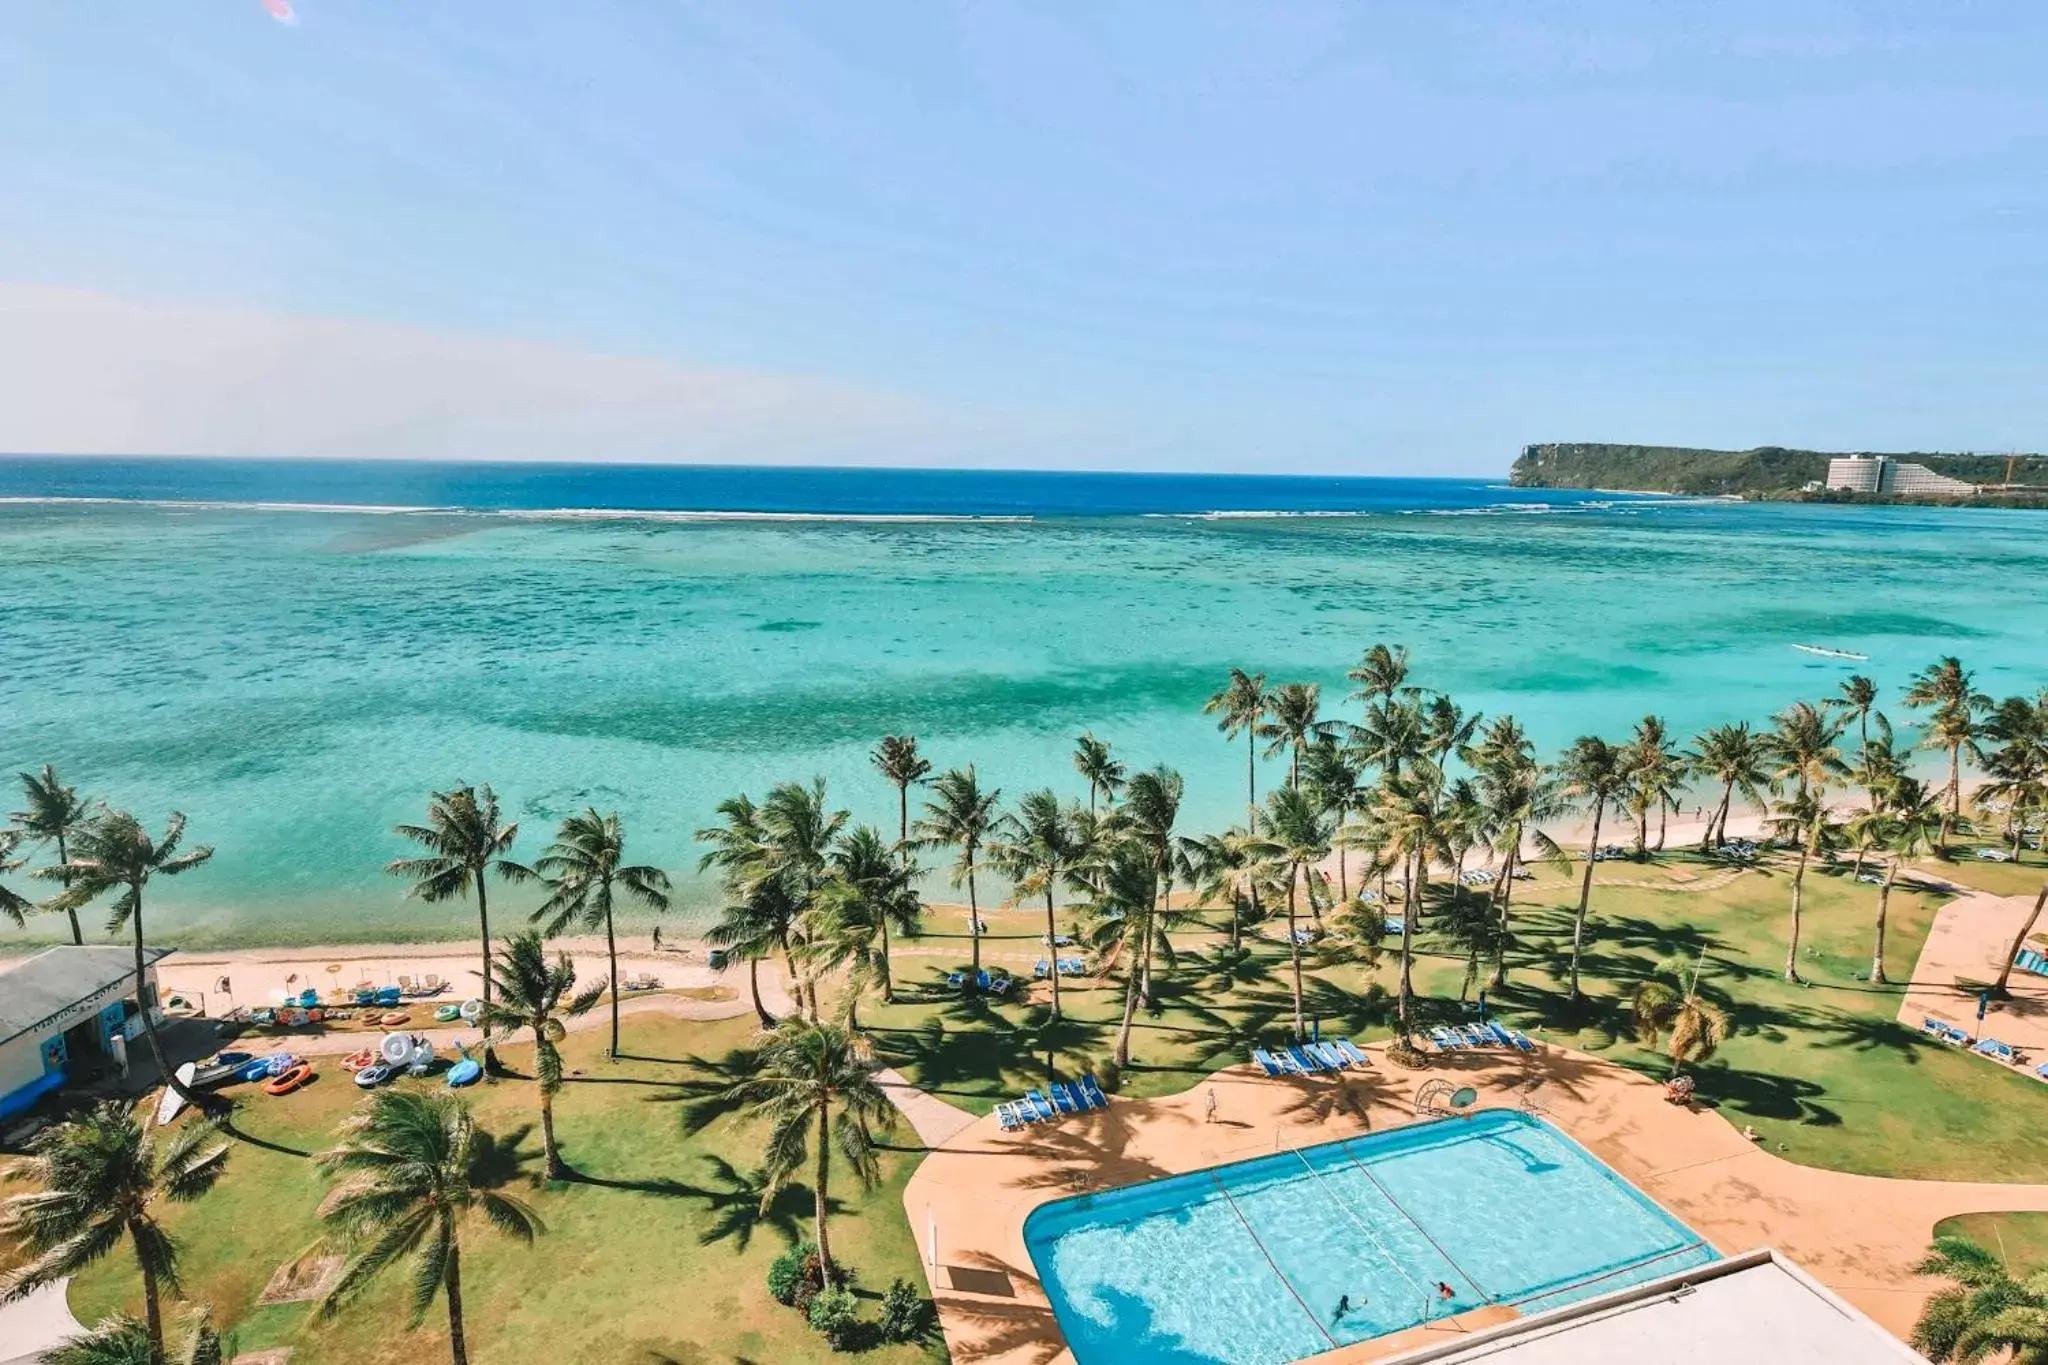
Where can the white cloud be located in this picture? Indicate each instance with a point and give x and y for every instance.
(87, 373)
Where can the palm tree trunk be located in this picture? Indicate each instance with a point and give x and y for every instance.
(2019, 941)
(1663, 823)
(1884, 896)
(1145, 976)
(551, 1155)
(1585, 899)
(1407, 949)
(1294, 951)
(611, 951)
(1052, 946)
(973, 916)
(1343, 885)
(1798, 888)
(458, 1345)
(1123, 1036)
(823, 1167)
(145, 999)
(152, 1303)
(1720, 823)
(1507, 892)
(71, 912)
(483, 919)
(1251, 782)
(1955, 793)
(754, 985)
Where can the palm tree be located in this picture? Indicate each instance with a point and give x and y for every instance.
(1104, 774)
(1223, 867)
(13, 904)
(2018, 767)
(1592, 776)
(1405, 815)
(1804, 746)
(1674, 1006)
(1984, 1313)
(1945, 687)
(113, 853)
(122, 1340)
(1038, 846)
(52, 813)
(1296, 840)
(870, 889)
(1446, 728)
(1294, 722)
(1656, 776)
(1341, 791)
(897, 758)
(960, 816)
(1804, 820)
(464, 839)
(534, 995)
(814, 1087)
(1119, 922)
(1242, 705)
(753, 923)
(1907, 825)
(2003, 986)
(1517, 797)
(1465, 923)
(1151, 808)
(1381, 674)
(1857, 697)
(1392, 736)
(411, 1168)
(100, 1177)
(585, 879)
(1732, 755)
(794, 846)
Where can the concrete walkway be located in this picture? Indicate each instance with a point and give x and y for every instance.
(935, 1121)
(32, 1325)
(1964, 951)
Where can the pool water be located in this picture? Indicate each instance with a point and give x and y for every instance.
(1250, 1263)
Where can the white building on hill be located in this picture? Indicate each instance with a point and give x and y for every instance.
(1883, 474)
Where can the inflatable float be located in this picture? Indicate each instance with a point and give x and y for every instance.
(290, 1080)
(464, 1072)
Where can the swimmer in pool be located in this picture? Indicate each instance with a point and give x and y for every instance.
(1343, 1307)
(1444, 1291)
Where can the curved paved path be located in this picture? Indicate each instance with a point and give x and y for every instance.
(35, 1323)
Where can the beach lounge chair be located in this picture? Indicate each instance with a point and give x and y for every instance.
(2042, 1071)
(1303, 1059)
(999, 982)
(1445, 1040)
(1091, 1091)
(1332, 1058)
(1513, 1038)
(1063, 1098)
(1286, 1063)
(1350, 1052)
(1041, 969)
(1477, 1035)
(2028, 960)
(956, 979)
(1266, 1062)
(1933, 1026)
(1956, 1037)
(433, 985)
(981, 981)
(405, 985)
(1043, 1105)
(1396, 926)
(1006, 1116)
(1997, 1051)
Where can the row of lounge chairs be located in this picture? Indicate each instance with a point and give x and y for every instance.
(1470, 1037)
(1076, 1098)
(1067, 966)
(1302, 1059)
(1996, 1050)
(2028, 960)
(997, 982)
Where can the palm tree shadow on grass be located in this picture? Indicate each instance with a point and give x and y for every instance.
(707, 1097)
(498, 1159)
(733, 1200)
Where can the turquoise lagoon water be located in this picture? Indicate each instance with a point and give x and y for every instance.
(1248, 1264)
(298, 679)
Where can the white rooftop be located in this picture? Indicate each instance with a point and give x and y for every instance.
(1747, 1310)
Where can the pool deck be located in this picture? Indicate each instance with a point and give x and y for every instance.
(1964, 951)
(1859, 1235)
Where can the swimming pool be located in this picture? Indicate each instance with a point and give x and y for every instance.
(1249, 1264)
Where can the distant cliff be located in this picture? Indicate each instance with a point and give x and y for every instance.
(1767, 471)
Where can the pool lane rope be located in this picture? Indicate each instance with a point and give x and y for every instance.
(1416, 1223)
(1366, 1228)
(1274, 1265)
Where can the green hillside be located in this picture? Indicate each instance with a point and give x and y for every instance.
(1762, 472)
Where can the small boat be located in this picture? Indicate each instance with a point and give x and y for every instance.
(213, 1075)
(229, 1058)
(1827, 653)
(290, 1080)
(356, 1061)
(374, 1075)
(464, 1072)
(447, 1014)
(172, 1102)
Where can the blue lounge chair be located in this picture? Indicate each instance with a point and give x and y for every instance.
(1093, 1092)
(2042, 1071)
(1332, 1058)
(1996, 1050)
(1956, 1037)
(981, 981)
(1350, 1052)
(1303, 1059)
(1395, 926)
(1080, 1094)
(1445, 1040)
(999, 982)
(2029, 960)
(1511, 1037)
(1266, 1062)
(1063, 1099)
(1041, 969)
(956, 979)
(1073, 966)
(1476, 1035)
(1043, 1105)
(1009, 1118)
(1931, 1025)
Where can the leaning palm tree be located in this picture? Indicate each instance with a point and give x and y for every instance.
(1447, 728)
(51, 814)
(122, 1340)
(113, 853)
(1038, 846)
(1803, 821)
(960, 815)
(1294, 721)
(1518, 798)
(1908, 826)
(2003, 986)
(464, 839)
(814, 1087)
(411, 1176)
(534, 996)
(1242, 706)
(1104, 774)
(1671, 1005)
(2018, 767)
(1592, 776)
(13, 904)
(1151, 809)
(753, 922)
(586, 872)
(1734, 757)
(98, 1178)
(897, 759)
(1656, 777)
(869, 890)
(1119, 921)
(1857, 698)
(1405, 817)
(1339, 787)
(1296, 839)
(1947, 689)
(1983, 1313)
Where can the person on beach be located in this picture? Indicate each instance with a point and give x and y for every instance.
(1209, 1105)
(657, 938)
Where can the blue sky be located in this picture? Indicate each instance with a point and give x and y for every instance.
(1343, 236)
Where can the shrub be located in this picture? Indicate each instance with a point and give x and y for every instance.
(906, 1314)
(835, 1315)
(793, 1276)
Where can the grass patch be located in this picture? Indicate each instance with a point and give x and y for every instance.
(2021, 1238)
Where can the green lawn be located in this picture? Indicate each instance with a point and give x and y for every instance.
(661, 1258)
(1823, 1070)
(2021, 1238)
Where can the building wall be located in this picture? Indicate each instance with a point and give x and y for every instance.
(1856, 475)
(1918, 478)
